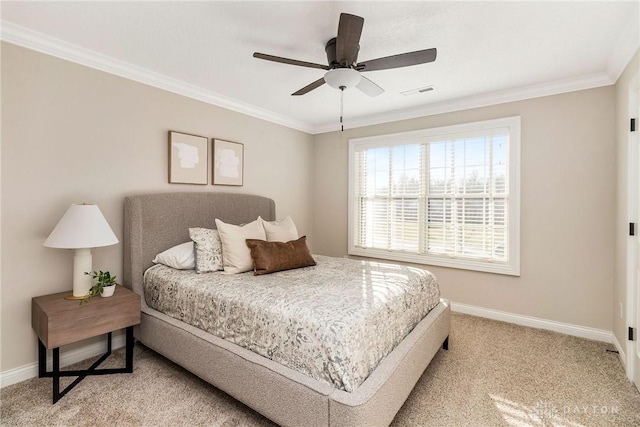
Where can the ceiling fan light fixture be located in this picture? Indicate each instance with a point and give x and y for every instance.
(339, 78)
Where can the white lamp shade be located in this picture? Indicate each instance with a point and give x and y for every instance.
(82, 226)
(342, 77)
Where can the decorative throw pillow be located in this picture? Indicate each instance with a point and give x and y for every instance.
(208, 249)
(235, 253)
(280, 231)
(269, 257)
(180, 257)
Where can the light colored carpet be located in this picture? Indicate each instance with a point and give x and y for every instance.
(495, 374)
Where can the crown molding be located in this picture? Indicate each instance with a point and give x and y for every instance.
(484, 100)
(33, 40)
(21, 36)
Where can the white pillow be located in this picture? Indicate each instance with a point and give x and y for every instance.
(280, 231)
(236, 255)
(180, 257)
(208, 249)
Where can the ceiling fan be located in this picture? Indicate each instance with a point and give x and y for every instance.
(343, 70)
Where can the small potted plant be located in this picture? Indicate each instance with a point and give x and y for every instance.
(105, 285)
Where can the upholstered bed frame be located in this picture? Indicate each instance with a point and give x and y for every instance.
(156, 222)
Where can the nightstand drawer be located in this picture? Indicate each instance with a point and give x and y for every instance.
(58, 322)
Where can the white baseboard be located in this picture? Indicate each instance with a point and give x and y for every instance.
(621, 353)
(16, 375)
(535, 322)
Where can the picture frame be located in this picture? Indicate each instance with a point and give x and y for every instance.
(228, 163)
(188, 158)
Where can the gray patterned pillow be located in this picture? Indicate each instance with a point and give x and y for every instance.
(208, 249)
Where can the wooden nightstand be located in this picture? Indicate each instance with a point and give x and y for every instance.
(58, 322)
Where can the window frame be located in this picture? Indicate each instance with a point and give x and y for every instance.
(512, 266)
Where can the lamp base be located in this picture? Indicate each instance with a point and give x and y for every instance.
(81, 281)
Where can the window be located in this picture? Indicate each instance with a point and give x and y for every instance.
(446, 196)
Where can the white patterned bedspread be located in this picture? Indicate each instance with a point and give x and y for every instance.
(333, 322)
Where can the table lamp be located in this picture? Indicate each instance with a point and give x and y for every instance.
(81, 228)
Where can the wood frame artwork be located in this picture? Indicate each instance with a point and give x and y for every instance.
(228, 163)
(188, 158)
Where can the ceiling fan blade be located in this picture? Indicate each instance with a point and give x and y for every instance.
(368, 87)
(397, 61)
(289, 61)
(349, 31)
(309, 87)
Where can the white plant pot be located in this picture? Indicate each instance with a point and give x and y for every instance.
(108, 291)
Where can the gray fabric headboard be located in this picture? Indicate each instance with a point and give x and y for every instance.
(156, 222)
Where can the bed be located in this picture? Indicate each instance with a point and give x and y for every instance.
(155, 222)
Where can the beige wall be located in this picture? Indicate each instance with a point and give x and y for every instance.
(74, 134)
(628, 81)
(568, 207)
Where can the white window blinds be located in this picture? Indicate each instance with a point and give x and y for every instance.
(440, 194)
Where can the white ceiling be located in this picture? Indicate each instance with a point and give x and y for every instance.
(488, 52)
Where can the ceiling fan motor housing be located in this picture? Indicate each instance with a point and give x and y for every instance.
(333, 62)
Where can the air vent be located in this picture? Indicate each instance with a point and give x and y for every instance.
(418, 90)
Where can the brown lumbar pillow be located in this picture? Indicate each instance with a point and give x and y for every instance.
(269, 257)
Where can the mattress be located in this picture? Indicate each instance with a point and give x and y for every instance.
(333, 322)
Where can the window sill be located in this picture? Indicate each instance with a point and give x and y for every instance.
(511, 269)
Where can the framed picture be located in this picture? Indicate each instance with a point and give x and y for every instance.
(228, 162)
(188, 159)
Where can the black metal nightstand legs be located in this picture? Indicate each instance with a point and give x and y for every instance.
(129, 350)
(56, 373)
